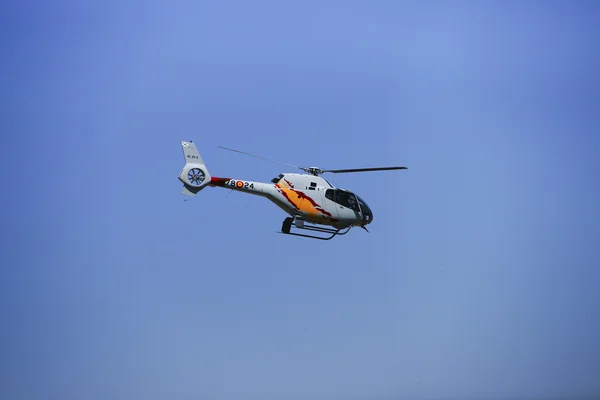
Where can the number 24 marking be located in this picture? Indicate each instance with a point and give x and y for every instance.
(246, 185)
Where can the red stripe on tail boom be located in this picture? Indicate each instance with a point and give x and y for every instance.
(214, 181)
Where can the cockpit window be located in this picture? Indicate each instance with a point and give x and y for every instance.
(366, 211)
(347, 199)
(343, 198)
(329, 193)
(362, 202)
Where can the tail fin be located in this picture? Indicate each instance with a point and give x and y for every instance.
(194, 174)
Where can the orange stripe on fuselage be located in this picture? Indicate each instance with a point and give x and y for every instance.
(295, 197)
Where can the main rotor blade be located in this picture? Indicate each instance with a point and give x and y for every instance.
(253, 155)
(339, 171)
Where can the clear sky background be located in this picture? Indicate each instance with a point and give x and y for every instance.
(479, 278)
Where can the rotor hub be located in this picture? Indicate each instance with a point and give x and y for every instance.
(316, 171)
(196, 176)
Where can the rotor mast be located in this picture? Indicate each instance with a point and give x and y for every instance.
(316, 171)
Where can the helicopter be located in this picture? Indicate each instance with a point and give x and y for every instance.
(312, 203)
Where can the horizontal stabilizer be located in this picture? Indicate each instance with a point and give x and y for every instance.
(189, 191)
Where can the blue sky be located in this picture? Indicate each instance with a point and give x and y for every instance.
(478, 279)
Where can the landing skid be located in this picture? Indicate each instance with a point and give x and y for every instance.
(288, 222)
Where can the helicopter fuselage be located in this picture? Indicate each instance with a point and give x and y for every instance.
(307, 197)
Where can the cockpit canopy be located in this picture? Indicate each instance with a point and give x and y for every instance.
(350, 200)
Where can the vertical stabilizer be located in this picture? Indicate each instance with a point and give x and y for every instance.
(194, 174)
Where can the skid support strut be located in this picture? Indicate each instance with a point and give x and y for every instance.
(288, 222)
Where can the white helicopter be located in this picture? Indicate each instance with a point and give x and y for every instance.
(312, 202)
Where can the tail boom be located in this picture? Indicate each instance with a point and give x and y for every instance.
(256, 188)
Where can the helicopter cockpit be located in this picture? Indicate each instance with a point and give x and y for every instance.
(351, 201)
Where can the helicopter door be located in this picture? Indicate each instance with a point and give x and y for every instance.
(331, 206)
(313, 202)
(347, 205)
